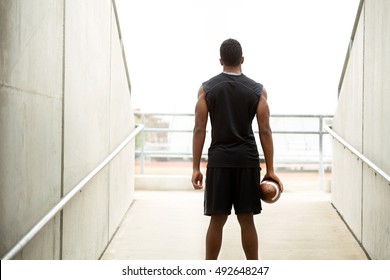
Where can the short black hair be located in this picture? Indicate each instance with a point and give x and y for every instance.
(231, 52)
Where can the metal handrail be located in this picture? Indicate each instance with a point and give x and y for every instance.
(357, 153)
(66, 198)
(272, 116)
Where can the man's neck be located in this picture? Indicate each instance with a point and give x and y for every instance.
(232, 70)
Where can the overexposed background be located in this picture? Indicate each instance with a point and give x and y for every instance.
(296, 49)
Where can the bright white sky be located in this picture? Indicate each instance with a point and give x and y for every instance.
(296, 49)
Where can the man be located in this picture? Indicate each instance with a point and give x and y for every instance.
(233, 173)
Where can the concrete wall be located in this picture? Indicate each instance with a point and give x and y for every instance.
(347, 189)
(360, 195)
(64, 106)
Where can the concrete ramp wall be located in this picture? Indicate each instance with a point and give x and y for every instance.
(64, 106)
(360, 194)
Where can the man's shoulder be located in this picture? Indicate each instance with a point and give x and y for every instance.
(250, 79)
(213, 81)
(254, 85)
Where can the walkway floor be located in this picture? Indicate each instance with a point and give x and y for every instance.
(169, 225)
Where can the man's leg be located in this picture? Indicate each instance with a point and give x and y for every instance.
(214, 236)
(248, 236)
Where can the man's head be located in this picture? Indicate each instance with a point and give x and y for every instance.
(231, 53)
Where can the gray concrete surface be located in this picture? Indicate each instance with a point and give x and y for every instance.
(30, 122)
(166, 225)
(359, 193)
(64, 106)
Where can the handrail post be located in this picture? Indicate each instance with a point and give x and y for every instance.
(321, 154)
(142, 159)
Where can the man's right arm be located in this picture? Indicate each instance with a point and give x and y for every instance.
(199, 135)
(266, 140)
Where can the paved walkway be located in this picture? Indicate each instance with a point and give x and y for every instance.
(170, 225)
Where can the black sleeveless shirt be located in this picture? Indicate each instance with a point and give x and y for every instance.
(232, 103)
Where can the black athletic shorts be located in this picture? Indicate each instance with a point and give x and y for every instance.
(227, 187)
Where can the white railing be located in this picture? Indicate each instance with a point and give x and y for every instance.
(319, 121)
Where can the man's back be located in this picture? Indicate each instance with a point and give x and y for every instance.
(232, 102)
